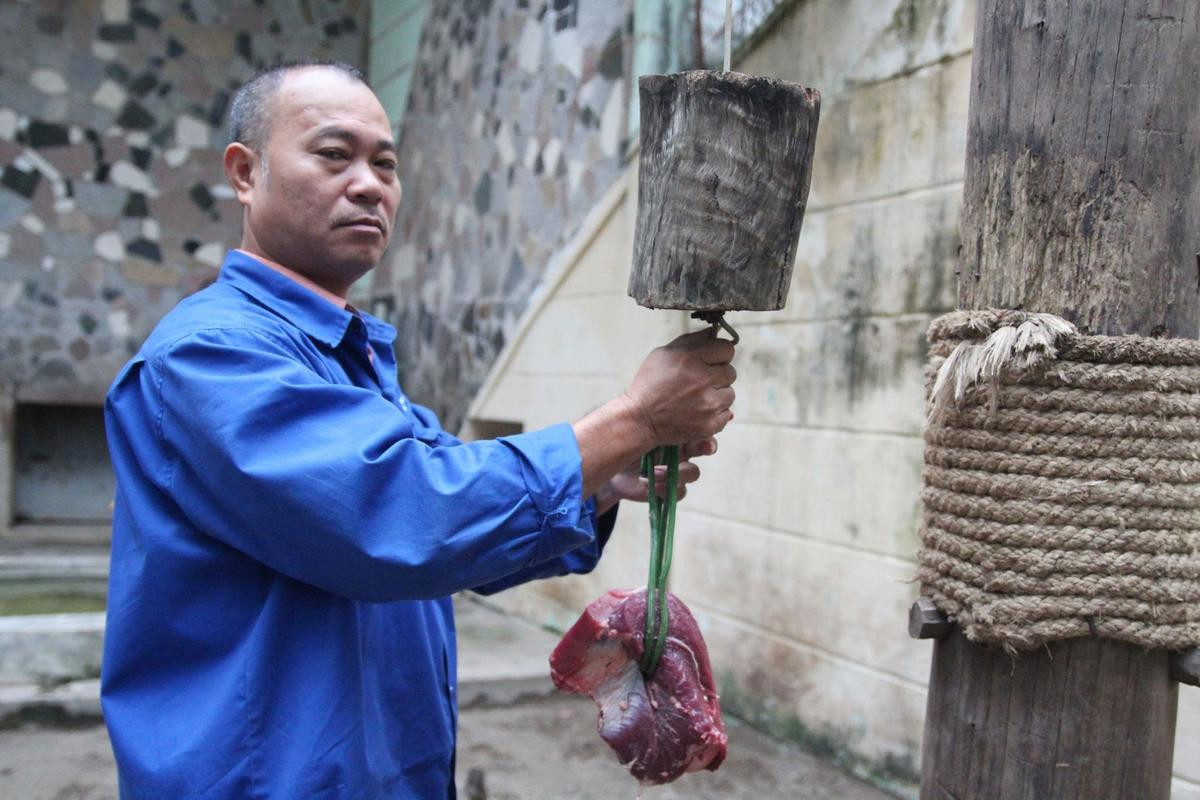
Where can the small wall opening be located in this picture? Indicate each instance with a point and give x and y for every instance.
(62, 473)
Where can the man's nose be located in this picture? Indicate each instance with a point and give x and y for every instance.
(365, 185)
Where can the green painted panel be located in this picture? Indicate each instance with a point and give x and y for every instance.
(393, 93)
(386, 13)
(395, 47)
(655, 46)
(395, 40)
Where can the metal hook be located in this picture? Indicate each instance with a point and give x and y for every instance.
(729, 329)
(717, 320)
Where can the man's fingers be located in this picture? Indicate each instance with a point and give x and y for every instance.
(661, 491)
(694, 338)
(710, 349)
(724, 375)
(688, 473)
(717, 351)
(700, 447)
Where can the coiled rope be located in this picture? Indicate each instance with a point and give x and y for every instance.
(1062, 482)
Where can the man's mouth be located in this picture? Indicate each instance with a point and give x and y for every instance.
(363, 223)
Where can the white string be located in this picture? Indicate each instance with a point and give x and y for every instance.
(728, 32)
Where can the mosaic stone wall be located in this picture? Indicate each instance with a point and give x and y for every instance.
(113, 203)
(515, 126)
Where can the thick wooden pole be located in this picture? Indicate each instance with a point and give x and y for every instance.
(1083, 148)
(1081, 199)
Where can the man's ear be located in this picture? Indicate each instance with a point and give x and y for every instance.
(241, 169)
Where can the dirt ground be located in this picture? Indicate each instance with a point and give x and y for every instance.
(536, 750)
(550, 749)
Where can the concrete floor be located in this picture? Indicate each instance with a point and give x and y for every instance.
(57, 764)
(531, 742)
(550, 749)
(532, 750)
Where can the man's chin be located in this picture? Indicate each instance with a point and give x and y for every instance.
(347, 268)
(359, 260)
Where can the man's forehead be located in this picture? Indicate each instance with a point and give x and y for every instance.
(314, 99)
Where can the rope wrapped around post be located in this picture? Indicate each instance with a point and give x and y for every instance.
(1062, 482)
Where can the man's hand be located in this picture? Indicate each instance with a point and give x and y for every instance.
(683, 390)
(628, 484)
(681, 393)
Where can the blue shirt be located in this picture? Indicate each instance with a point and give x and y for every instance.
(288, 529)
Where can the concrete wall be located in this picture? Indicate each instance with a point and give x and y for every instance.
(796, 549)
(113, 202)
(514, 127)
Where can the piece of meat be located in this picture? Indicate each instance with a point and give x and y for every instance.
(660, 728)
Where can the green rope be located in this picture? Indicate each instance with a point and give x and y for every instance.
(667, 526)
(649, 460)
(662, 529)
(662, 534)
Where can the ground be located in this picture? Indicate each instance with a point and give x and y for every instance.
(530, 741)
(550, 748)
(532, 750)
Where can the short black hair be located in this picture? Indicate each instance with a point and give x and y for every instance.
(248, 122)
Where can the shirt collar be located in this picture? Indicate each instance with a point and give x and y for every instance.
(304, 308)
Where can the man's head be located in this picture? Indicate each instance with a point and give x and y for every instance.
(312, 161)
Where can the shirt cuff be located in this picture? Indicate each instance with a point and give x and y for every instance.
(552, 470)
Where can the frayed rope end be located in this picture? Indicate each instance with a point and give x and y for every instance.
(1009, 348)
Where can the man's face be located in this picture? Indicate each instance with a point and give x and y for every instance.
(325, 203)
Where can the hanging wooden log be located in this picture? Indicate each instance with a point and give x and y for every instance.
(726, 161)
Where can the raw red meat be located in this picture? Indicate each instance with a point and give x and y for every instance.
(660, 728)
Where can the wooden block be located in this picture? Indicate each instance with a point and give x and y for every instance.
(726, 161)
(925, 621)
(1184, 666)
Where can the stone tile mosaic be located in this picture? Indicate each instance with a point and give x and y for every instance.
(111, 127)
(512, 132)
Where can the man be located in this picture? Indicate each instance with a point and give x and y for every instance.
(289, 527)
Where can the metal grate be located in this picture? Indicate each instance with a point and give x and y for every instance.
(748, 16)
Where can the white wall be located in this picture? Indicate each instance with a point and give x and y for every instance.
(796, 550)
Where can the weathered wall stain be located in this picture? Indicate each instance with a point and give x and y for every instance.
(749, 698)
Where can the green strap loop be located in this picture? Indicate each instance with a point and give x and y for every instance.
(662, 534)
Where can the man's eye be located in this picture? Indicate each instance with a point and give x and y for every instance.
(334, 154)
(386, 163)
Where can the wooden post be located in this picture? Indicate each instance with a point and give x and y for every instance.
(1080, 200)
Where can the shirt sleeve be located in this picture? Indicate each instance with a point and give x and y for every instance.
(578, 561)
(433, 426)
(326, 483)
